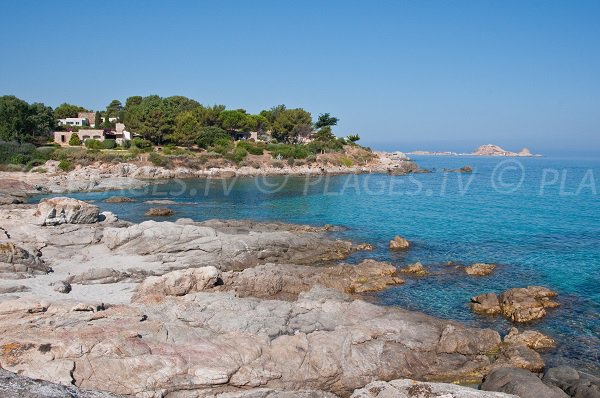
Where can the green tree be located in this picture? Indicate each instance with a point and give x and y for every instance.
(238, 120)
(65, 110)
(23, 122)
(187, 129)
(326, 120)
(40, 123)
(324, 134)
(13, 118)
(98, 120)
(211, 135)
(353, 138)
(74, 140)
(291, 125)
(114, 108)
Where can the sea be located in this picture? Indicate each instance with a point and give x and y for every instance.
(537, 218)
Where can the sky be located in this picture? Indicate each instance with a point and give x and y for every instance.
(433, 75)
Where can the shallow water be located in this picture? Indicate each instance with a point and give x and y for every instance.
(538, 218)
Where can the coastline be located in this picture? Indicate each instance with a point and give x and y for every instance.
(264, 266)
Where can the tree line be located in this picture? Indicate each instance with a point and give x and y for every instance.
(174, 120)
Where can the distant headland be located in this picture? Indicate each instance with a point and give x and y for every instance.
(484, 150)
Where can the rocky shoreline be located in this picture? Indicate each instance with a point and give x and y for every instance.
(15, 187)
(232, 309)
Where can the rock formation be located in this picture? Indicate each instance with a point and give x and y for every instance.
(517, 304)
(399, 243)
(480, 269)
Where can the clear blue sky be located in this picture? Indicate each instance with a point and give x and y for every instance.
(403, 75)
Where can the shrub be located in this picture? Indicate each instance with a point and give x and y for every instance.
(109, 144)
(253, 149)
(93, 144)
(141, 143)
(65, 165)
(160, 161)
(347, 162)
(74, 140)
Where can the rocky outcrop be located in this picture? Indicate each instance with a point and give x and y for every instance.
(159, 212)
(480, 269)
(185, 245)
(495, 150)
(530, 338)
(414, 389)
(16, 260)
(399, 243)
(464, 169)
(520, 382)
(209, 342)
(119, 199)
(517, 304)
(178, 283)
(573, 383)
(62, 210)
(16, 386)
(287, 281)
(416, 269)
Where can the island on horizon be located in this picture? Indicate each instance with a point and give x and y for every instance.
(483, 150)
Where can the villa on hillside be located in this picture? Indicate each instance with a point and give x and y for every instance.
(119, 135)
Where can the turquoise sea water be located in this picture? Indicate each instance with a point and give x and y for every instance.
(538, 218)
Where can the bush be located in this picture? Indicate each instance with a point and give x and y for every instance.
(288, 151)
(65, 165)
(93, 144)
(109, 144)
(74, 140)
(253, 149)
(159, 161)
(141, 143)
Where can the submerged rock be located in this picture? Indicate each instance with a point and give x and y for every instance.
(119, 199)
(416, 269)
(399, 243)
(159, 212)
(480, 269)
(62, 210)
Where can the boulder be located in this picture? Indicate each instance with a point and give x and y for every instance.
(530, 338)
(405, 388)
(526, 304)
(16, 259)
(178, 283)
(62, 287)
(480, 269)
(108, 217)
(464, 169)
(517, 304)
(574, 383)
(399, 243)
(159, 212)
(415, 269)
(520, 382)
(62, 210)
(486, 303)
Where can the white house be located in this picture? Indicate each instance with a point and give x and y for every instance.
(73, 121)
